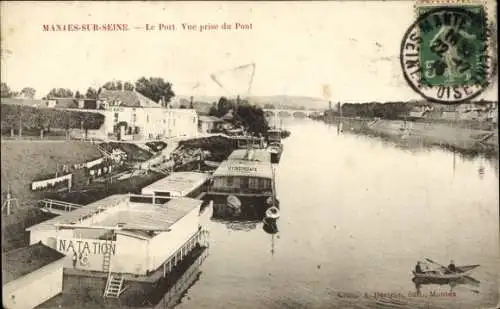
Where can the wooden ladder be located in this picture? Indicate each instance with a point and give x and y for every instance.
(114, 285)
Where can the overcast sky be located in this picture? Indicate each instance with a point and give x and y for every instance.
(297, 47)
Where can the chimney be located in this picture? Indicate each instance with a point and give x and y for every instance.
(123, 86)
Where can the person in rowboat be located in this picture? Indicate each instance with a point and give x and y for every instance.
(452, 268)
(418, 268)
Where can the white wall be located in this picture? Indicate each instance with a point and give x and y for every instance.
(133, 255)
(35, 288)
(93, 249)
(155, 122)
(165, 244)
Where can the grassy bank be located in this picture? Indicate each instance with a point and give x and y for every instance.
(25, 161)
(466, 139)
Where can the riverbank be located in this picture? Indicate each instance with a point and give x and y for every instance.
(24, 161)
(468, 139)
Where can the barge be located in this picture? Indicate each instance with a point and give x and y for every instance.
(242, 186)
(125, 238)
(275, 146)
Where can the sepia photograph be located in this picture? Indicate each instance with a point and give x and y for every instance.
(250, 154)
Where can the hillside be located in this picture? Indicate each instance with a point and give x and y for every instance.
(282, 100)
(23, 161)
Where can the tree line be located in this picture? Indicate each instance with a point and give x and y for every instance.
(19, 118)
(154, 88)
(241, 114)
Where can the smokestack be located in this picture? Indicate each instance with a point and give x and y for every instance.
(330, 105)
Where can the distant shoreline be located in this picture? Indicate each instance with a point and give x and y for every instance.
(470, 138)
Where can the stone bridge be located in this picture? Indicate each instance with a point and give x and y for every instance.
(296, 113)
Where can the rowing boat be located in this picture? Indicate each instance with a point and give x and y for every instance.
(462, 271)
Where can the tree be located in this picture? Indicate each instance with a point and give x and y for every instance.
(28, 92)
(155, 88)
(60, 93)
(213, 110)
(223, 106)
(78, 95)
(91, 93)
(5, 91)
(118, 85)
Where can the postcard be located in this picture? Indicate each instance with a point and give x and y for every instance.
(250, 154)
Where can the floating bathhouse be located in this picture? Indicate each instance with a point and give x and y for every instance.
(124, 239)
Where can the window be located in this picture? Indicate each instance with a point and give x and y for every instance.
(134, 117)
(253, 183)
(116, 117)
(147, 118)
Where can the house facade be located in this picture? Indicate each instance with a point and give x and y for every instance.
(131, 115)
(207, 124)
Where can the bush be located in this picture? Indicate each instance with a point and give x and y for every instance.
(47, 118)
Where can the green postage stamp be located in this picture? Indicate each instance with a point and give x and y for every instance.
(446, 54)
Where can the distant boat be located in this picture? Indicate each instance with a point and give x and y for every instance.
(440, 275)
(275, 149)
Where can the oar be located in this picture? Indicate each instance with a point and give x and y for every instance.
(458, 269)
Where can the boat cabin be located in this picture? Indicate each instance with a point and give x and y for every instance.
(274, 135)
(246, 172)
(178, 184)
(245, 142)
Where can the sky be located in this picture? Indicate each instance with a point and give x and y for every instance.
(297, 47)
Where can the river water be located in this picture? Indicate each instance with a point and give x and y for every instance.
(357, 213)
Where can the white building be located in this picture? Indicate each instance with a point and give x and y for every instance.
(31, 276)
(145, 234)
(138, 117)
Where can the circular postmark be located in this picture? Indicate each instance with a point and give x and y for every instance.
(445, 53)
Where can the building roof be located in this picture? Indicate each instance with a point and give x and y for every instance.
(84, 211)
(24, 102)
(65, 102)
(22, 261)
(259, 155)
(209, 118)
(181, 182)
(127, 98)
(131, 214)
(148, 216)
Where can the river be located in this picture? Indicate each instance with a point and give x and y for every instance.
(356, 214)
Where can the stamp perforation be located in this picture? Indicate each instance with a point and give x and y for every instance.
(488, 53)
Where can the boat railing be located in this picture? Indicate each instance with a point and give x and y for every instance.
(201, 238)
(266, 191)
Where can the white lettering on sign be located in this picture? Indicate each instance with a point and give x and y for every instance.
(242, 169)
(85, 247)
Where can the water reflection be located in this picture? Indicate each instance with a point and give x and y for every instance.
(172, 294)
(469, 284)
(270, 226)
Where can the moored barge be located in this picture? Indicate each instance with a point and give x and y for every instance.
(243, 185)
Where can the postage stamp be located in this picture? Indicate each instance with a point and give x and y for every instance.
(446, 52)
